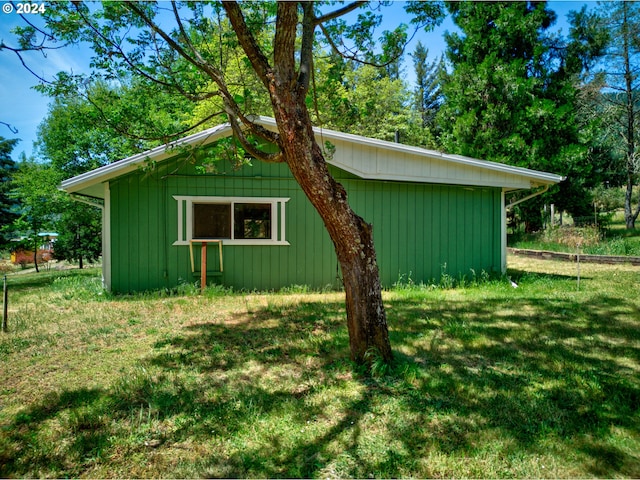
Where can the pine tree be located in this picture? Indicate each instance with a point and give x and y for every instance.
(512, 97)
(8, 205)
(428, 94)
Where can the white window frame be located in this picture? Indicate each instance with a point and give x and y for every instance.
(185, 219)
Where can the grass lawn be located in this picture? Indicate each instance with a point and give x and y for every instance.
(542, 380)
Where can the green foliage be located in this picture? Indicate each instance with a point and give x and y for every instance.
(622, 103)
(608, 199)
(378, 367)
(75, 137)
(35, 186)
(512, 98)
(8, 204)
(79, 233)
(428, 92)
(94, 123)
(358, 99)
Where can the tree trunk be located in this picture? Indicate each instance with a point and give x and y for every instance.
(353, 241)
(287, 82)
(629, 215)
(35, 252)
(351, 235)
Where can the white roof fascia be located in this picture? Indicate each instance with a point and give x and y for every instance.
(205, 137)
(130, 164)
(535, 175)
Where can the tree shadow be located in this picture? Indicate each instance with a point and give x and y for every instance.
(18, 283)
(565, 370)
(518, 275)
(545, 369)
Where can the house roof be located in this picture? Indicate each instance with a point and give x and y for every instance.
(364, 157)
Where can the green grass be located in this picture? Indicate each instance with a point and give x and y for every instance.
(542, 380)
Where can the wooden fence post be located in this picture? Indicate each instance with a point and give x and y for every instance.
(203, 267)
(5, 307)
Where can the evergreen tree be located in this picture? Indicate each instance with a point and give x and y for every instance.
(8, 205)
(512, 96)
(428, 94)
(622, 71)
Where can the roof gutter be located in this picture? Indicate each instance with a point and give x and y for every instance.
(528, 197)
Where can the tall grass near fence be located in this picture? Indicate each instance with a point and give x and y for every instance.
(488, 381)
(611, 238)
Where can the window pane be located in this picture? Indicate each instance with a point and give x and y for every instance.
(252, 220)
(211, 220)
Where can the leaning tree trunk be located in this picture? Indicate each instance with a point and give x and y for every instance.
(287, 82)
(352, 237)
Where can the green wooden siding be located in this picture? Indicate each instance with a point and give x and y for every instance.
(418, 229)
(424, 230)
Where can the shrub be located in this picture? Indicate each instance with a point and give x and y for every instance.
(574, 236)
(608, 199)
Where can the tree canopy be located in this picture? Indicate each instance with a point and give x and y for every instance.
(8, 204)
(512, 95)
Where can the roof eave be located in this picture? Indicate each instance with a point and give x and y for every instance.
(132, 163)
(89, 179)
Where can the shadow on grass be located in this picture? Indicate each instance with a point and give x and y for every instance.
(19, 283)
(523, 375)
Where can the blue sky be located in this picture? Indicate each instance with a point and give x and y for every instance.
(24, 108)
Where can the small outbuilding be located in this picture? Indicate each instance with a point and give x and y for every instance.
(432, 213)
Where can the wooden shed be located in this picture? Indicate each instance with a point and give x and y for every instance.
(432, 213)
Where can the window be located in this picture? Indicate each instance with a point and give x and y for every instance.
(235, 220)
(251, 220)
(211, 220)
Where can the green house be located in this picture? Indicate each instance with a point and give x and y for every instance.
(431, 213)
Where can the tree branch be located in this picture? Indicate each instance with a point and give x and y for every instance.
(248, 42)
(340, 12)
(18, 51)
(306, 50)
(13, 129)
(277, 157)
(118, 50)
(354, 56)
(167, 38)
